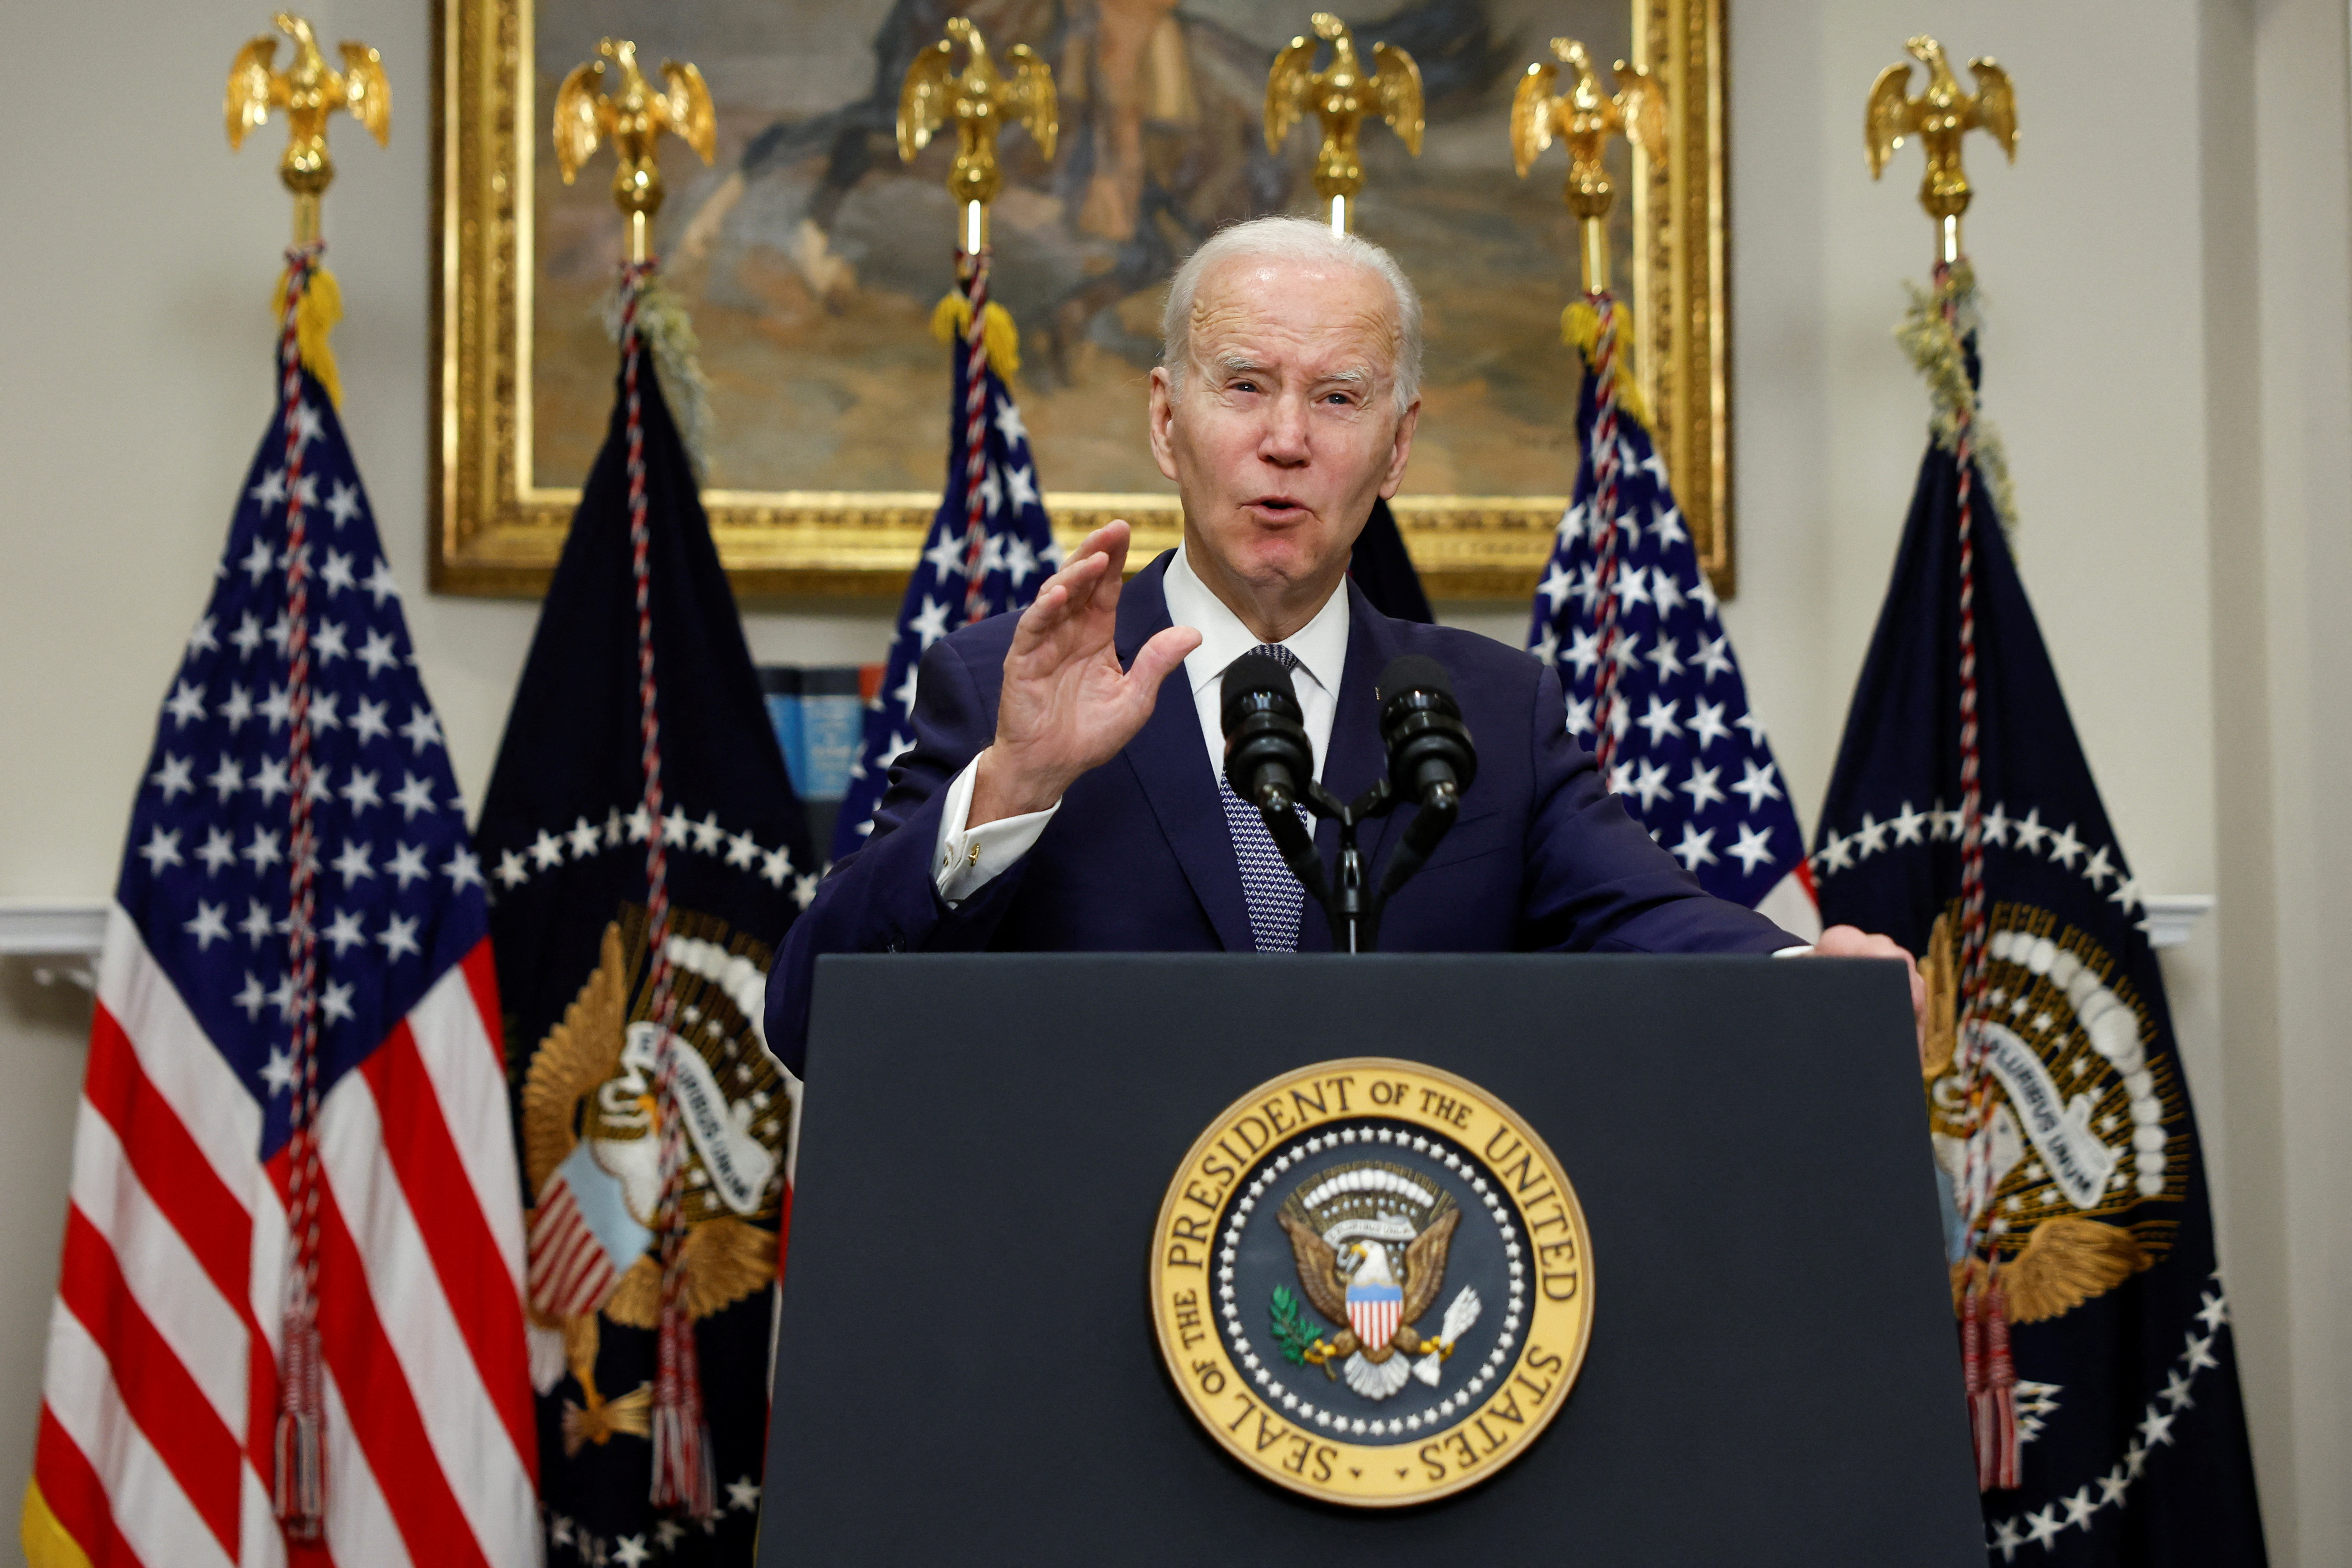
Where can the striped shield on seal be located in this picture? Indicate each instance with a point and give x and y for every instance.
(1373, 1312)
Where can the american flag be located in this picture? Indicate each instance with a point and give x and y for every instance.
(163, 1392)
(1690, 757)
(990, 549)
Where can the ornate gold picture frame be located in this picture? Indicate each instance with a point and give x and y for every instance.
(810, 328)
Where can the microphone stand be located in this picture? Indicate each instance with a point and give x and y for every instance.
(1350, 902)
(1267, 758)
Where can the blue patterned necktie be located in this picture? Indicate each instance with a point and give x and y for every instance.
(1273, 895)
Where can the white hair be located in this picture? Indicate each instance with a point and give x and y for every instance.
(1283, 239)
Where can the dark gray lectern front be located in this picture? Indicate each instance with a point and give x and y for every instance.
(967, 1371)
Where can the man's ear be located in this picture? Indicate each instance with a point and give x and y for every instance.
(1162, 417)
(1400, 450)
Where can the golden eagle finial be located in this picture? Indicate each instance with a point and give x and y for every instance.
(1585, 118)
(1939, 118)
(632, 120)
(1341, 95)
(980, 100)
(309, 91)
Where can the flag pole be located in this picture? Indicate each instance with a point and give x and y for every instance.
(1586, 118)
(1939, 118)
(309, 90)
(979, 100)
(633, 118)
(1341, 95)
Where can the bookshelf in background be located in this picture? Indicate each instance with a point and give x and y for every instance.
(818, 714)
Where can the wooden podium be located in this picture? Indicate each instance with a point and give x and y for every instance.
(967, 1371)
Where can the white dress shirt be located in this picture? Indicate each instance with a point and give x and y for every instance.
(969, 858)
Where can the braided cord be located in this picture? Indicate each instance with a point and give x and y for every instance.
(1972, 861)
(299, 1493)
(1987, 1369)
(1607, 455)
(683, 1477)
(971, 271)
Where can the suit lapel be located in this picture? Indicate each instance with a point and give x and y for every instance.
(1356, 756)
(1172, 765)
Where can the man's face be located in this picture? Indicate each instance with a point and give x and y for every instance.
(1287, 426)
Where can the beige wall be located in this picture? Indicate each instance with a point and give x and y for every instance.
(2168, 273)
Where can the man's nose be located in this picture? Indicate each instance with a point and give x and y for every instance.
(1284, 441)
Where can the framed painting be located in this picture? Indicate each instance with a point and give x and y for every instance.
(810, 258)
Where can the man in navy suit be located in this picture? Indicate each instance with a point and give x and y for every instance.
(1052, 801)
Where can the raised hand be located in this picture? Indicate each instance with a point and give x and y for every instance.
(1067, 706)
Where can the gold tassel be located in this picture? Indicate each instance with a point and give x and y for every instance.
(952, 319)
(47, 1543)
(1936, 353)
(1579, 329)
(322, 307)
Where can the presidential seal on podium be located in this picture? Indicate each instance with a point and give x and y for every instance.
(1373, 1282)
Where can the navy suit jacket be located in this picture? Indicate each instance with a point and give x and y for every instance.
(1140, 858)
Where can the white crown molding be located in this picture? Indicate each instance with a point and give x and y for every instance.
(66, 931)
(72, 928)
(51, 928)
(2172, 917)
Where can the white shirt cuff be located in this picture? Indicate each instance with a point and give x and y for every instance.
(1802, 950)
(968, 859)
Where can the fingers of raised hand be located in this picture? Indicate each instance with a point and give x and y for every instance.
(1113, 539)
(1103, 554)
(1137, 690)
(1062, 600)
(1156, 659)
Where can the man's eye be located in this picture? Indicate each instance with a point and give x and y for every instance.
(1244, 386)
(1339, 397)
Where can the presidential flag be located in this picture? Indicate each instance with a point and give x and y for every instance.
(991, 546)
(293, 1252)
(1626, 615)
(1962, 820)
(645, 854)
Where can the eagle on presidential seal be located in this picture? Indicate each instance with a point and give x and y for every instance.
(1371, 1240)
(592, 1155)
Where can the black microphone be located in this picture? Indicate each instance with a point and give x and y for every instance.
(1270, 762)
(1431, 758)
(1268, 759)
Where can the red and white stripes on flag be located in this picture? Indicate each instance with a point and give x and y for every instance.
(161, 1393)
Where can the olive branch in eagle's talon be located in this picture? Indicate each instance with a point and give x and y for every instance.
(1301, 1340)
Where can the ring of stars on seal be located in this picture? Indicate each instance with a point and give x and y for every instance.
(1373, 1282)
